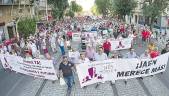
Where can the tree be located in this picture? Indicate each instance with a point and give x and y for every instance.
(153, 9)
(26, 26)
(75, 7)
(70, 13)
(58, 8)
(103, 6)
(123, 7)
(95, 10)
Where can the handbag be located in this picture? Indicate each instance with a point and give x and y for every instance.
(62, 82)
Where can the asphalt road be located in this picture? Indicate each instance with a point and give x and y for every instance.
(15, 84)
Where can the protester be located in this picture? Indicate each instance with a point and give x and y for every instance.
(145, 55)
(131, 54)
(90, 52)
(53, 43)
(61, 45)
(33, 49)
(65, 71)
(154, 53)
(83, 59)
(166, 49)
(151, 47)
(100, 56)
(107, 47)
(74, 56)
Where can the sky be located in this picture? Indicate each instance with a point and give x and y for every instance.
(86, 4)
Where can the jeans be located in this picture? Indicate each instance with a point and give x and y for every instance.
(107, 52)
(62, 50)
(69, 81)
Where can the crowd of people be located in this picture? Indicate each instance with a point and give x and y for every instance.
(57, 36)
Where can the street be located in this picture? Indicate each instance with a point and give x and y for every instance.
(15, 84)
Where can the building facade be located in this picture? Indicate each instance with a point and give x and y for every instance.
(10, 11)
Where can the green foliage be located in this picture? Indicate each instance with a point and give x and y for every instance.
(75, 7)
(70, 13)
(154, 8)
(26, 27)
(95, 10)
(58, 8)
(124, 7)
(103, 6)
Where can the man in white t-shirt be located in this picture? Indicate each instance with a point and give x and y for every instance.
(83, 59)
(74, 56)
(100, 55)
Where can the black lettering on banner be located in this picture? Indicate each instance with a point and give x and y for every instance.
(144, 64)
(127, 73)
(159, 68)
(133, 73)
(120, 74)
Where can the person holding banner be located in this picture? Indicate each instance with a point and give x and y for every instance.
(66, 71)
(100, 56)
(154, 53)
(145, 55)
(83, 59)
(131, 54)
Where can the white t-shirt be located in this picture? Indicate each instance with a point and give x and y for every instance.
(61, 42)
(75, 57)
(100, 57)
(86, 60)
(143, 56)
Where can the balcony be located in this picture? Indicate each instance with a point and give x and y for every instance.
(14, 2)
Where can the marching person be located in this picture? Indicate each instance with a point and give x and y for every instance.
(107, 47)
(83, 59)
(145, 55)
(166, 49)
(74, 56)
(61, 45)
(33, 49)
(66, 71)
(154, 53)
(90, 52)
(131, 54)
(100, 56)
(151, 47)
(53, 43)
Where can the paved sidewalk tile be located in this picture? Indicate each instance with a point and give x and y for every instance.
(132, 88)
(31, 88)
(155, 86)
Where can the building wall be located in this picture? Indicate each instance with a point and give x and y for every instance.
(7, 14)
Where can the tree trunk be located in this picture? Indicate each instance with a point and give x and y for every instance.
(152, 23)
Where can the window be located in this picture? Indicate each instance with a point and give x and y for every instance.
(1, 13)
(0, 1)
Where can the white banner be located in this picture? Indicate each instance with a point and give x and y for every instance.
(132, 68)
(124, 43)
(90, 73)
(114, 69)
(118, 44)
(32, 67)
(76, 36)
